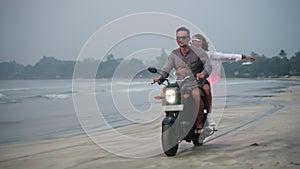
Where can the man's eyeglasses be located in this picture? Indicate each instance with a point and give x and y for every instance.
(182, 37)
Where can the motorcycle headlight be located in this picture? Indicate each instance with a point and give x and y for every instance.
(170, 96)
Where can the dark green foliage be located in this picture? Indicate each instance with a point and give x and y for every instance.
(265, 67)
(295, 64)
(11, 70)
(52, 68)
(46, 68)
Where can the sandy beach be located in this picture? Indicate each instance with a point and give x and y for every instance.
(264, 135)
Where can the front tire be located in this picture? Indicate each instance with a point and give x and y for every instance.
(169, 143)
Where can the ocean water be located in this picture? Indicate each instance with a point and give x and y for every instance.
(32, 110)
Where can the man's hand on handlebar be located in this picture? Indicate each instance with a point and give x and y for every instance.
(157, 78)
(200, 76)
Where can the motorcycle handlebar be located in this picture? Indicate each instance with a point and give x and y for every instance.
(160, 81)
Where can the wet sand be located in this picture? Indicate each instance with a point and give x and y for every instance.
(271, 141)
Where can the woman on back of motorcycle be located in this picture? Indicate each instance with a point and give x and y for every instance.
(215, 57)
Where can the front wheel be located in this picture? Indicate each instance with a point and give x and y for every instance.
(168, 139)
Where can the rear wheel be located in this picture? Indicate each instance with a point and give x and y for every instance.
(168, 139)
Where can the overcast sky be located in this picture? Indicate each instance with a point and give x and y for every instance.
(31, 29)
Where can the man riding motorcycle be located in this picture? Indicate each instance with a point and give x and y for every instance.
(189, 61)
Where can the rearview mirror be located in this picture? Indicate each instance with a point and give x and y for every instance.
(152, 69)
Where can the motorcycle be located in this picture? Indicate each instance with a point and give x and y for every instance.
(179, 122)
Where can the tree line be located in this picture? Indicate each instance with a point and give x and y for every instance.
(276, 66)
(52, 68)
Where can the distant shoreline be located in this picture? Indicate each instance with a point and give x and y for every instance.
(293, 78)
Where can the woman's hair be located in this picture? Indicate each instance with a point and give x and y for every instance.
(204, 41)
